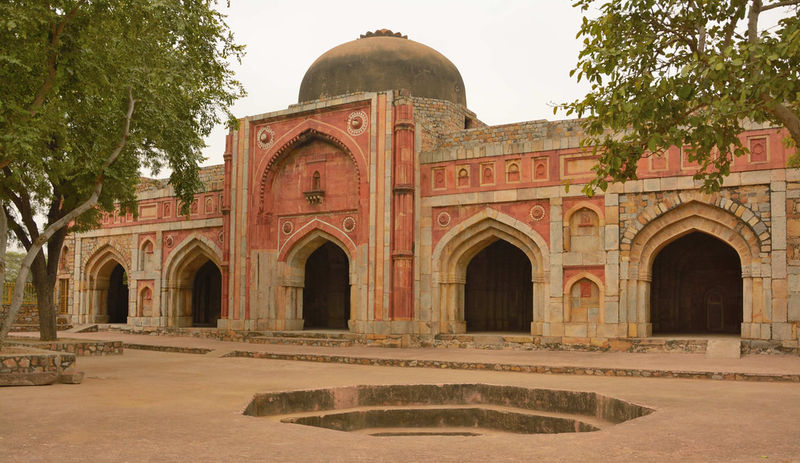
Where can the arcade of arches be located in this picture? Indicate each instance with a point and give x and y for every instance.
(395, 214)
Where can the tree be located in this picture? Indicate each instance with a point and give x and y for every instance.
(93, 91)
(684, 73)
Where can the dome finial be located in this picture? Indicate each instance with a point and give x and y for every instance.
(383, 33)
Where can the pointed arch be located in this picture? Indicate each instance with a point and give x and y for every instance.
(97, 259)
(568, 306)
(458, 246)
(691, 217)
(146, 252)
(307, 130)
(292, 271)
(179, 270)
(316, 224)
(98, 268)
(677, 222)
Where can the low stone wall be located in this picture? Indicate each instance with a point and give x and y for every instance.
(756, 346)
(28, 319)
(25, 366)
(172, 349)
(470, 341)
(521, 368)
(79, 347)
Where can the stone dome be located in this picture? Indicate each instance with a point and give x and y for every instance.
(383, 60)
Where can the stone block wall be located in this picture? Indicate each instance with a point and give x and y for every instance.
(436, 118)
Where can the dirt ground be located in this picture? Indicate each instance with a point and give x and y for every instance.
(152, 406)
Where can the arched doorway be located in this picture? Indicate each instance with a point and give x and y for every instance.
(117, 299)
(192, 294)
(326, 291)
(696, 287)
(206, 295)
(498, 295)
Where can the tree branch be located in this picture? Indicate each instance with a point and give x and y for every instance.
(788, 118)
(17, 229)
(730, 28)
(23, 205)
(780, 4)
(50, 79)
(752, 22)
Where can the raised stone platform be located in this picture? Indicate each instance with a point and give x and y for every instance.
(26, 366)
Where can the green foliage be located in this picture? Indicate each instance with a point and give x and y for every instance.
(13, 261)
(683, 73)
(66, 70)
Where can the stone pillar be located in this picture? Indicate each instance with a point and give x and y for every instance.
(451, 302)
(226, 222)
(611, 316)
(402, 307)
(781, 328)
(554, 314)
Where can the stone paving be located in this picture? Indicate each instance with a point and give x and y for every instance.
(162, 406)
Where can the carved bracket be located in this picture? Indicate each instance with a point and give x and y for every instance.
(314, 196)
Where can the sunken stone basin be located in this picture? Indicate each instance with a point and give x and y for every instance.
(445, 409)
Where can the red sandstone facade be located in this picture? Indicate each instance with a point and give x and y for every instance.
(386, 212)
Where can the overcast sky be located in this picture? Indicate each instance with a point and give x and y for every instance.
(514, 56)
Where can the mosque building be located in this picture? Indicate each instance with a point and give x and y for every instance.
(380, 205)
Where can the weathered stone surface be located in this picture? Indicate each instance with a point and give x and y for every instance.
(28, 379)
(71, 377)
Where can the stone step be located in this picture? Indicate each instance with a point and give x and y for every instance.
(727, 348)
(298, 341)
(83, 328)
(488, 339)
(313, 334)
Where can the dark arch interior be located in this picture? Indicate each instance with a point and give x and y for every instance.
(117, 302)
(696, 287)
(499, 294)
(326, 295)
(206, 295)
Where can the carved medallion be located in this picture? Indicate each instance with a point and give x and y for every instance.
(357, 123)
(265, 137)
(443, 219)
(537, 213)
(349, 224)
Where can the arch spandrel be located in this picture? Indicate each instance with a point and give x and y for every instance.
(727, 212)
(457, 247)
(296, 251)
(193, 246)
(693, 217)
(100, 260)
(306, 131)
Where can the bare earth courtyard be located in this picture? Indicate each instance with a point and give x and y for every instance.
(158, 406)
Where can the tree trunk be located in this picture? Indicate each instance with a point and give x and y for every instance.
(45, 285)
(3, 245)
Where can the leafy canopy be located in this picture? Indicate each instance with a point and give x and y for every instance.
(684, 73)
(67, 70)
